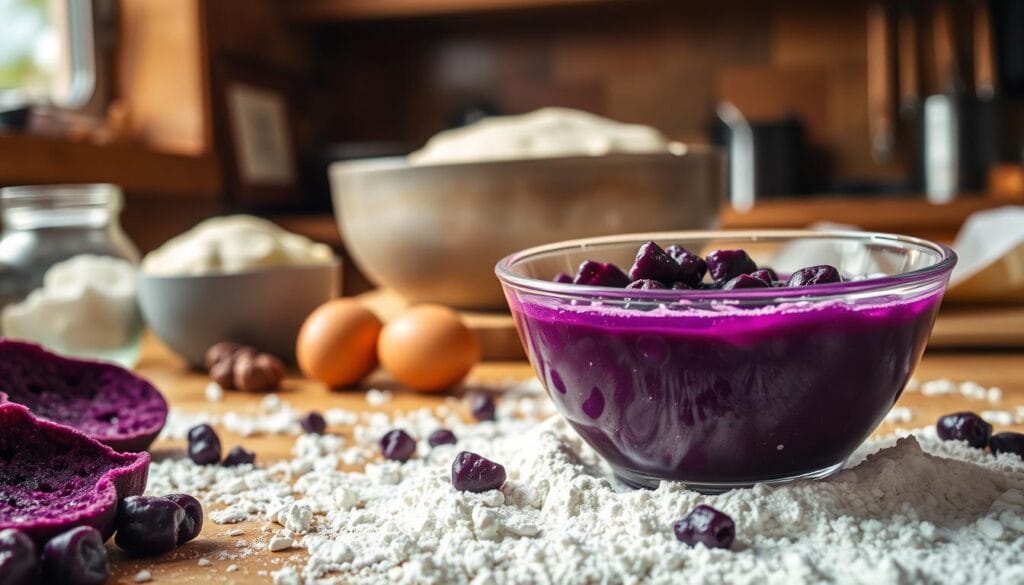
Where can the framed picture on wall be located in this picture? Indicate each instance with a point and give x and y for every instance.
(257, 138)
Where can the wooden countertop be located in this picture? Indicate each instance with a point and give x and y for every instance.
(185, 390)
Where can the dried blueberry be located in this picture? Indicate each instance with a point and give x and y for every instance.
(562, 278)
(692, 267)
(1007, 443)
(239, 456)
(481, 406)
(726, 265)
(601, 274)
(313, 422)
(19, 563)
(397, 445)
(706, 525)
(652, 263)
(473, 473)
(964, 426)
(76, 557)
(823, 274)
(148, 526)
(767, 275)
(441, 437)
(646, 284)
(745, 281)
(203, 445)
(193, 523)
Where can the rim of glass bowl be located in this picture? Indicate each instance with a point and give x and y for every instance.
(946, 260)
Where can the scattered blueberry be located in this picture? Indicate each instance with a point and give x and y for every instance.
(239, 456)
(562, 278)
(148, 526)
(313, 423)
(692, 267)
(76, 557)
(726, 265)
(473, 473)
(706, 525)
(823, 274)
(646, 284)
(203, 445)
(767, 275)
(19, 563)
(964, 426)
(601, 274)
(397, 445)
(441, 437)
(193, 523)
(745, 281)
(481, 406)
(1007, 443)
(652, 263)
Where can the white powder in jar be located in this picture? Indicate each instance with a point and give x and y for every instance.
(86, 305)
(907, 510)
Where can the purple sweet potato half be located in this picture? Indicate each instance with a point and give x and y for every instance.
(104, 401)
(54, 478)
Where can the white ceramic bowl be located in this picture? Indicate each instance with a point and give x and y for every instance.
(263, 308)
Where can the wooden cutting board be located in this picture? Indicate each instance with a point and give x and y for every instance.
(979, 326)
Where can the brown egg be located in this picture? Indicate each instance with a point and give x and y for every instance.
(428, 348)
(337, 344)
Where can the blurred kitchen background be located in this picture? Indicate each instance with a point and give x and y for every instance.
(902, 116)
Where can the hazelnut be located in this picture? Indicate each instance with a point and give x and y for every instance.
(223, 373)
(220, 351)
(257, 372)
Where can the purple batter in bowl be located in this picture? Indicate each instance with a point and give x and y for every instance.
(724, 389)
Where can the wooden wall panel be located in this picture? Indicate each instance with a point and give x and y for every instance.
(658, 62)
(162, 74)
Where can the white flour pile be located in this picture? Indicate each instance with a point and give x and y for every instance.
(916, 510)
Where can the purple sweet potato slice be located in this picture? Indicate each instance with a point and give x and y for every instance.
(104, 401)
(54, 478)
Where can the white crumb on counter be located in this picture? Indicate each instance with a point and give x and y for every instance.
(279, 543)
(286, 576)
(213, 392)
(143, 576)
(231, 569)
(235, 532)
(375, 397)
(204, 562)
(939, 387)
(899, 414)
(994, 394)
(998, 417)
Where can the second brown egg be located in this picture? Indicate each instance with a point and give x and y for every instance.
(428, 348)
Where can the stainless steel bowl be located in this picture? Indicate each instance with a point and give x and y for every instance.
(433, 233)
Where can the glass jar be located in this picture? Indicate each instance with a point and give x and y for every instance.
(67, 271)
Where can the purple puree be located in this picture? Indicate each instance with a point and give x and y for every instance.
(751, 395)
(104, 401)
(53, 478)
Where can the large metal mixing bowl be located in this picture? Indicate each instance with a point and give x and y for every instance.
(433, 233)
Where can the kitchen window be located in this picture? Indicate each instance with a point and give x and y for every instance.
(47, 53)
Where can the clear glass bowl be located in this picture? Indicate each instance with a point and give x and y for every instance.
(724, 389)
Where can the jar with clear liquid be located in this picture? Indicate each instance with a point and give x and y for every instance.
(67, 271)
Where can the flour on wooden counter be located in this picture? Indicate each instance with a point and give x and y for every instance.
(909, 510)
